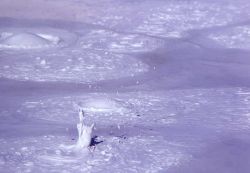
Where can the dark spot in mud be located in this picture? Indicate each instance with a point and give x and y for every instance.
(95, 141)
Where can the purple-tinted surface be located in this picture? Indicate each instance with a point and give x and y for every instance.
(166, 82)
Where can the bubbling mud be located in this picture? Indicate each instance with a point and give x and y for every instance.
(32, 38)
